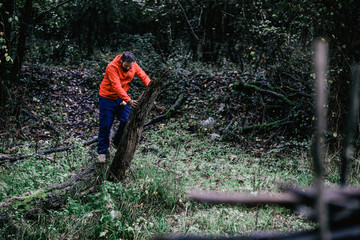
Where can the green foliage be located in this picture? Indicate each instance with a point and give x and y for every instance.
(4, 49)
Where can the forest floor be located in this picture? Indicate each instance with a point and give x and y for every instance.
(174, 156)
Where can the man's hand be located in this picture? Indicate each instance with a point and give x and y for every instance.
(133, 103)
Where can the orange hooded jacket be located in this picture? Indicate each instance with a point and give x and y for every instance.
(116, 82)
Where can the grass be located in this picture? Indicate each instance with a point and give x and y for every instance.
(153, 200)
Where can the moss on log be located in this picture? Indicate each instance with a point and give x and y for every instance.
(55, 196)
(242, 85)
(264, 125)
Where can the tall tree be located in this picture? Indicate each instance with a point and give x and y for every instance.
(26, 19)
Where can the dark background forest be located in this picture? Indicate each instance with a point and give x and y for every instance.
(245, 67)
(268, 43)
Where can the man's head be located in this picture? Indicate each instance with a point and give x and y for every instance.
(127, 61)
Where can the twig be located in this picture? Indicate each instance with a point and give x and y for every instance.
(54, 150)
(192, 30)
(41, 121)
(265, 125)
(228, 126)
(231, 15)
(4, 159)
(91, 141)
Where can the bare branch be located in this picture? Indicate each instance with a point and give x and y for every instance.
(168, 113)
(192, 29)
(41, 121)
(245, 199)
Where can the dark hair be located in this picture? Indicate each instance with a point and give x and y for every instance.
(128, 57)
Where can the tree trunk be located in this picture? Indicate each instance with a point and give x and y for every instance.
(21, 46)
(132, 132)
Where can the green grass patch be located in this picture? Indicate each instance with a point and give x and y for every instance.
(153, 200)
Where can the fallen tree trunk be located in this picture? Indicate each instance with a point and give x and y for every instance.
(132, 132)
(33, 203)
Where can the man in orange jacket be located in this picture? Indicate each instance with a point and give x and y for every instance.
(114, 100)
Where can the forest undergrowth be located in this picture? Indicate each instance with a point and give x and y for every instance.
(174, 156)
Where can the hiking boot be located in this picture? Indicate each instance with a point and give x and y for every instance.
(102, 158)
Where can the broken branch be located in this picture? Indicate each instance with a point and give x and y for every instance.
(41, 121)
(265, 125)
(5, 158)
(168, 113)
(269, 92)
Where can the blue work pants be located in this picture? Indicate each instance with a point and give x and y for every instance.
(109, 109)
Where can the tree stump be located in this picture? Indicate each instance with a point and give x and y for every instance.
(132, 132)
